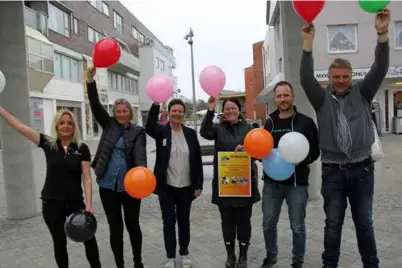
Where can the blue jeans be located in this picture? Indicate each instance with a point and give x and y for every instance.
(296, 199)
(356, 183)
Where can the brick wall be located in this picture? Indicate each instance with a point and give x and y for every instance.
(254, 84)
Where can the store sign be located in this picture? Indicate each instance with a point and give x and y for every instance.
(358, 74)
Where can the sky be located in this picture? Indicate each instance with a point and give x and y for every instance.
(224, 31)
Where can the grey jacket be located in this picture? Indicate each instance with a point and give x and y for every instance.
(356, 107)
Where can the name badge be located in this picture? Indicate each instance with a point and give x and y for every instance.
(164, 141)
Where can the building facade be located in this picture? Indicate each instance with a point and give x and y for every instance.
(351, 36)
(157, 59)
(254, 84)
(61, 36)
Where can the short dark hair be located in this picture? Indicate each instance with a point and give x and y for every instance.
(174, 102)
(283, 83)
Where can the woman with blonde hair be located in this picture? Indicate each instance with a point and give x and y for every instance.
(122, 147)
(67, 166)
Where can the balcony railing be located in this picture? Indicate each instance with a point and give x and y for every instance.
(35, 20)
(129, 60)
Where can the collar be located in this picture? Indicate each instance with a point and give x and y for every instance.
(275, 114)
(329, 88)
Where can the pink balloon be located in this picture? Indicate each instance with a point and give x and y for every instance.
(159, 89)
(212, 80)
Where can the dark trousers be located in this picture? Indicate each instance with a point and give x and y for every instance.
(356, 183)
(113, 202)
(55, 213)
(175, 205)
(236, 220)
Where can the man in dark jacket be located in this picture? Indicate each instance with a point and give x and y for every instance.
(295, 189)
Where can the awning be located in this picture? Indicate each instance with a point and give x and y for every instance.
(263, 97)
(35, 34)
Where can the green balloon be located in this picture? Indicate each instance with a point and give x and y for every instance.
(372, 6)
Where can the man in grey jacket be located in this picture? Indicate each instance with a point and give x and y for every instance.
(345, 136)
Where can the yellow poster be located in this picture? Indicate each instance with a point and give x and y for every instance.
(234, 174)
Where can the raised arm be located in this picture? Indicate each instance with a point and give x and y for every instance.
(23, 129)
(152, 127)
(98, 111)
(140, 149)
(372, 81)
(208, 130)
(314, 92)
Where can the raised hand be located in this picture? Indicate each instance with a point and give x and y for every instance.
(91, 71)
(382, 19)
(308, 32)
(211, 103)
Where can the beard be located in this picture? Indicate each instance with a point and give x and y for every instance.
(285, 107)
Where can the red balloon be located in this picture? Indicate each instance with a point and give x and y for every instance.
(106, 53)
(308, 10)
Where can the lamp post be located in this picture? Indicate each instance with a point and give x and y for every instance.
(189, 38)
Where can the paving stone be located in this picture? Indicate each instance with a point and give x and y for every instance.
(27, 243)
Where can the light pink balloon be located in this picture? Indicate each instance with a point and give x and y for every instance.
(212, 80)
(159, 89)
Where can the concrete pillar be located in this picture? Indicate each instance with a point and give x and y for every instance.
(19, 181)
(292, 49)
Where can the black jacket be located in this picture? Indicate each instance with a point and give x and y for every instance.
(306, 126)
(134, 137)
(161, 133)
(226, 138)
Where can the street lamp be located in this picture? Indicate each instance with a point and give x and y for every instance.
(189, 38)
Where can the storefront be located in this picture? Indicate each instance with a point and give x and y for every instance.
(388, 100)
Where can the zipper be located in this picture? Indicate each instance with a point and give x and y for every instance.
(292, 126)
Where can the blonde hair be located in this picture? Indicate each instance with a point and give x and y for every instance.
(56, 121)
(339, 63)
(128, 105)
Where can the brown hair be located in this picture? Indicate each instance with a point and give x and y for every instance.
(339, 63)
(238, 104)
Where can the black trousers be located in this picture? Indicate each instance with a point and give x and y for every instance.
(55, 213)
(113, 202)
(236, 220)
(175, 205)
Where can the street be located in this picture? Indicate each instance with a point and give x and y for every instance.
(27, 243)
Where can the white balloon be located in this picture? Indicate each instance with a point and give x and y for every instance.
(294, 147)
(2, 81)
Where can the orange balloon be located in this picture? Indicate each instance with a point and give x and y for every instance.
(140, 182)
(258, 143)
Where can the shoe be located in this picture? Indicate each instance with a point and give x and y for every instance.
(269, 262)
(243, 249)
(231, 259)
(138, 265)
(297, 265)
(171, 263)
(328, 266)
(186, 262)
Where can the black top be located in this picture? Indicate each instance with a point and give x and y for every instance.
(282, 126)
(63, 170)
(300, 123)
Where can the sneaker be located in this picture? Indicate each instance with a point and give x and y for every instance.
(186, 262)
(269, 262)
(171, 263)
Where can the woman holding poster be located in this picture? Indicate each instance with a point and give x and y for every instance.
(234, 185)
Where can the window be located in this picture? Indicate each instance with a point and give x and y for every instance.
(59, 21)
(94, 36)
(342, 38)
(162, 65)
(121, 83)
(398, 34)
(76, 26)
(66, 68)
(157, 62)
(278, 29)
(117, 22)
(137, 35)
(100, 5)
(40, 55)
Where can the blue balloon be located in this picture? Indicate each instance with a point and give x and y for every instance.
(276, 167)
